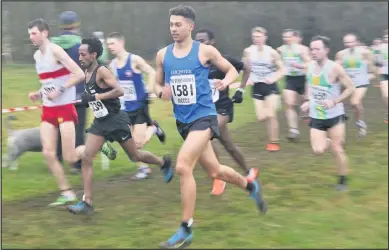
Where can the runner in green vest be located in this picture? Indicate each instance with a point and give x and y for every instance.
(295, 58)
(375, 49)
(384, 70)
(358, 63)
(325, 79)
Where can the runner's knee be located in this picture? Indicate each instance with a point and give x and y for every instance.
(49, 154)
(88, 158)
(139, 144)
(183, 167)
(337, 147)
(319, 149)
(355, 102)
(261, 117)
(272, 114)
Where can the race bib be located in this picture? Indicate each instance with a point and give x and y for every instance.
(183, 89)
(354, 74)
(129, 90)
(98, 108)
(260, 73)
(289, 61)
(47, 88)
(215, 92)
(319, 95)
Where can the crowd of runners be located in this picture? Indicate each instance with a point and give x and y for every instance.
(195, 77)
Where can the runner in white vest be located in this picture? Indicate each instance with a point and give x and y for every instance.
(58, 75)
(325, 79)
(358, 62)
(295, 57)
(267, 69)
(384, 70)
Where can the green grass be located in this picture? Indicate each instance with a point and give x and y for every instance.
(304, 209)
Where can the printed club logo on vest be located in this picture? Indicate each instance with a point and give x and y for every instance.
(128, 73)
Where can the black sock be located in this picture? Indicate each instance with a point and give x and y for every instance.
(250, 186)
(187, 228)
(342, 179)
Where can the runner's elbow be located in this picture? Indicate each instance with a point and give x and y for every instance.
(119, 91)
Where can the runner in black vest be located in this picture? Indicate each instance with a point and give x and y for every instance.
(225, 109)
(102, 95)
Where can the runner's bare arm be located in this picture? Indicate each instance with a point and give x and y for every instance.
(281, 70)
(109, 79)
(159, 74)
(215, 58)
(338, 58)
(306, 94)
(246, 69)
(279, 50)
(346, 81)
(370, 63)
(143, 66)
(305, 56)
(76, 72)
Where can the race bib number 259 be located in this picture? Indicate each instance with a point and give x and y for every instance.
(98, 108)
(183, 89)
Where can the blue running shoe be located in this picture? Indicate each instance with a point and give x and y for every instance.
(257, 196)
(180, 239)
(167, 169)
(81, 208)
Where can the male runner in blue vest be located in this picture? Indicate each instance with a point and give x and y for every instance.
(182, 76)
(128, 69)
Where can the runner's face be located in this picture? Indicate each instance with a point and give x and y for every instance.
(180, 27)
(376, 42)
(37, 36)
(86, 58)
(350, 41)
(115, 45)
(203, 38)
(385, 40)
(287, 37)
(298, 39)
(318, 50)
(258, 38)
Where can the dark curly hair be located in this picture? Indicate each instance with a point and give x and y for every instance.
(209, 33)
(184, 11)
(94, 46)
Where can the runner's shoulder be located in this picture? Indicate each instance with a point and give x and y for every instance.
(273, 51)
(247, 49)
(340, 53)
(55, 47)
(303, 48)
(161, 54)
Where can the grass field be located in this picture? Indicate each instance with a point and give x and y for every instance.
(304, 209)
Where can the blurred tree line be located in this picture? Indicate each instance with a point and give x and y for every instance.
(145, 24)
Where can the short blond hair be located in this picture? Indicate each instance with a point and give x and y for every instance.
(259, 29)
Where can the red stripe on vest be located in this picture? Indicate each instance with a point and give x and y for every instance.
(54, 74)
